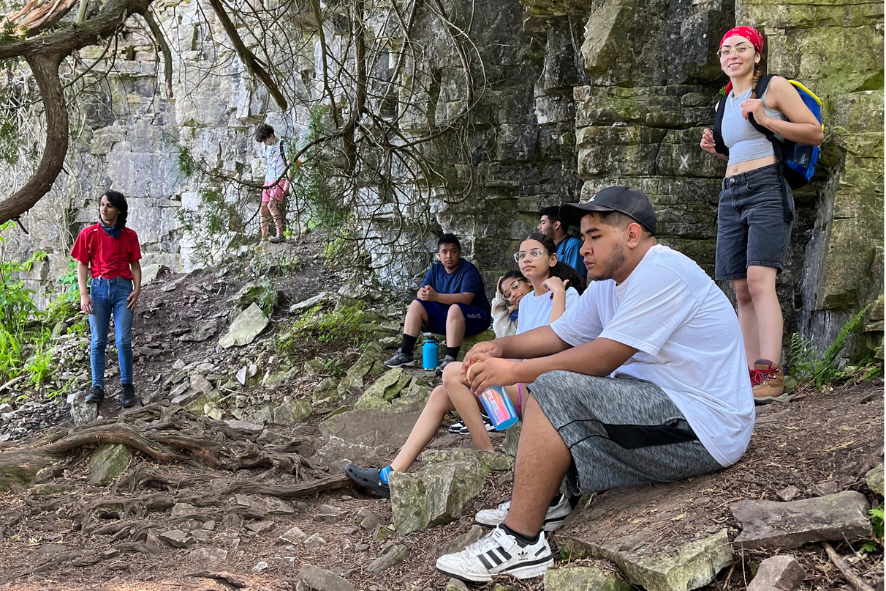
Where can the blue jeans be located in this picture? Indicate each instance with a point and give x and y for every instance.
(109, 296)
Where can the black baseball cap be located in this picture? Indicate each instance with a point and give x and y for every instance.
(632, 202)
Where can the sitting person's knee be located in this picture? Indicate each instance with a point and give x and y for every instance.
(455, 313)
(452, 373)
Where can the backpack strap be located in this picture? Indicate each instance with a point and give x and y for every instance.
(759, 91)
(719, 146)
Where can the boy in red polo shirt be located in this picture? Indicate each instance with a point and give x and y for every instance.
(109, 252)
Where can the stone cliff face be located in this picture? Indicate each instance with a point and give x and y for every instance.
(579, 96)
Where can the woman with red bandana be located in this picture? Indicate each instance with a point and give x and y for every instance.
(756, 208)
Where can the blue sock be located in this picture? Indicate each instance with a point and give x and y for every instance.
(385, 473)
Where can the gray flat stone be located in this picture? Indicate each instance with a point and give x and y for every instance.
(370, 427)
(391, 558)
(367, 519)
(783, 573)
(584, 579)
(322, 580)
(293, 535)
(769, 524)
(619, 527)
(245, 327)
(208, 554)
(176, 538)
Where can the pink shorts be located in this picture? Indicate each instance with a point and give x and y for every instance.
(276, 192)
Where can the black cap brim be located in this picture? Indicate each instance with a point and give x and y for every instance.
(571, 213)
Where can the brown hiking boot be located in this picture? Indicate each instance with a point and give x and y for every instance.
(767, 380)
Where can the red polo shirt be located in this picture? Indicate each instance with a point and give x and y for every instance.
(106, 256)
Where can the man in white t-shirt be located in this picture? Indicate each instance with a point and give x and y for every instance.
(645, 380)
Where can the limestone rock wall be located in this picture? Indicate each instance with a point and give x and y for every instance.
(578, 95)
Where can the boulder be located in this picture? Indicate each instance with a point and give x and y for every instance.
(385, 388)
(245, 327)
(437, 493)
(874, 480)
(322, 580)
(370, 427)
(584, 579)
(619, 527)
(108, 462)
(770, 524)
(782, 573)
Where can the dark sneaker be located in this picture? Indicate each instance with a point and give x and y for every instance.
(369, 478)
(96, 395)
(400, 359)
(446, 361)
(558, 511)
(499, 553)
(127, 398)
(461, 429)
(275, 239)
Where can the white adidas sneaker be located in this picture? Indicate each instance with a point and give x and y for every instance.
(554, 517)
(499, 553)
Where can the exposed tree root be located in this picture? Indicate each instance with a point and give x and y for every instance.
(171, 434)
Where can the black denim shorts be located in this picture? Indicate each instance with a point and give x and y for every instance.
(754, 221)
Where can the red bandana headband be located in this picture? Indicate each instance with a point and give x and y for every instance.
(749, 33)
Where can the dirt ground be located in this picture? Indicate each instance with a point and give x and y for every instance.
(78, 537)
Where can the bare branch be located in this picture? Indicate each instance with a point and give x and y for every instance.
(160, 38)
(252, 63)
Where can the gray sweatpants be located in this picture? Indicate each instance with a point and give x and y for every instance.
(620, 432)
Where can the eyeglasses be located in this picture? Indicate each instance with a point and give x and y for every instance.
(740, 50)
(534, 253)
(511, 287)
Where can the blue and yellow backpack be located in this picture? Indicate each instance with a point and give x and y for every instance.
(798, 160)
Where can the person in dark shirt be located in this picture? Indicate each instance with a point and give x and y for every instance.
(567, 246)
(451, 301)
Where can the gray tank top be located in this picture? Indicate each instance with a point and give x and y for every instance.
(744, 142)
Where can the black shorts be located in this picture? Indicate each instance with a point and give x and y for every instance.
(754, 221)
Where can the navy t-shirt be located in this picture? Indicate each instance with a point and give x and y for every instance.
(465, 279)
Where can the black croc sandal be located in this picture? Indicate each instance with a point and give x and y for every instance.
(368, 478)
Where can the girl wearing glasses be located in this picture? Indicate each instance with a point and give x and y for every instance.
(551, 287)
(756, 208)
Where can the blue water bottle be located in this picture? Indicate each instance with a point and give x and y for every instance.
(498, 407)
(429, 353)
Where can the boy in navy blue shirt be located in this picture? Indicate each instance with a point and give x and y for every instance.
(451, 301)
